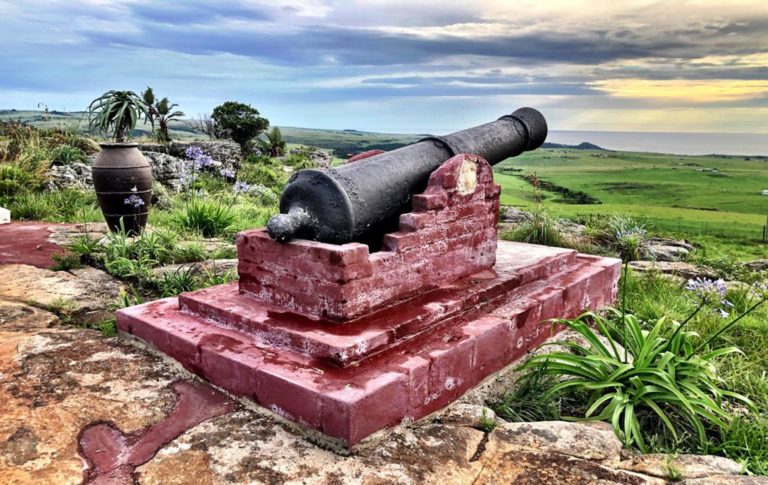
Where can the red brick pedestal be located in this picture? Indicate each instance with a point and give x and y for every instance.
(349, 342)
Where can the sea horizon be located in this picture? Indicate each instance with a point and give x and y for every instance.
(739, 144)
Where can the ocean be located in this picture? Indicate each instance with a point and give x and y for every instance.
(677, 143)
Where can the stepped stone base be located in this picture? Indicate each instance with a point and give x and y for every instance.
(402, 362)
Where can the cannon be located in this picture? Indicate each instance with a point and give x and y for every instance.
(360, 201)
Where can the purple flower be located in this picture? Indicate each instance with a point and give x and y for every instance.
(203, 161)
(711, 292)
(707, 289)
(134, 200)
(227, 173)
(241, 188)
(194, 152)
(187, 179)
(760, 289)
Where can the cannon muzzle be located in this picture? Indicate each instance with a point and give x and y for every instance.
(357, 201)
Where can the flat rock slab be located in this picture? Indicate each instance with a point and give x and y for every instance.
(27, 243)
(86, 294)
(69, 398)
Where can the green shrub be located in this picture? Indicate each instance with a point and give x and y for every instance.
(155, 245)
(14, 180)
(189, 253)
(108, 328)
(528, 401)
(299, 159)
(66, 262)
(208, 218)
(175, 282)
(541, 229)
(653, 383)
(68, 154)
(87, 248)
(139, 268)
(32, 207)
(746, 440)
(211, 278)
(260, 174)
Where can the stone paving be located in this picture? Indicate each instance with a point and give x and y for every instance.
(78, 407)
(27, 243)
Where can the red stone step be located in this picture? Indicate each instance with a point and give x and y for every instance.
(348, 343)
(406, 381)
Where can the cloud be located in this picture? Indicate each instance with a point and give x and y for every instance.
(304, 56)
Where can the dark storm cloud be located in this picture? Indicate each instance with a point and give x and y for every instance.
(312, 45)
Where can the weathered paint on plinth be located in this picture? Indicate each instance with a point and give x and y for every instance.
(349, 342)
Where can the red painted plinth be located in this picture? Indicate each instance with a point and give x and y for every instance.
(349, 342)
(449, 234)
(416, 358)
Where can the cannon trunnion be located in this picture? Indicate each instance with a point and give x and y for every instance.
(358, 201)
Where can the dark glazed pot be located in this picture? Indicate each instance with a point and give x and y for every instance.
(122, 178)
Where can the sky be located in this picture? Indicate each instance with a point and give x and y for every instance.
(402, 66)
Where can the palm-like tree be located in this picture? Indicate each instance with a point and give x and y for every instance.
(164, 114)
(275, 143)
(149, 102)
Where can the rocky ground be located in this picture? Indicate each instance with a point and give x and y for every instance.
(78, 407)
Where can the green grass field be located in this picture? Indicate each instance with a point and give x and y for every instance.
(678, 194)
(714, 198)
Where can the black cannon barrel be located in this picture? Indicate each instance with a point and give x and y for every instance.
(348, 203)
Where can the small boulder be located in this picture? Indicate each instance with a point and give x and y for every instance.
(670, 250)
(757, 265)
(167, 169)
(674, 268)
(593, 441)
(513, 215)
(75, 175)
(470, 415)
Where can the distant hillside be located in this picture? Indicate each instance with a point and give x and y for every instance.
(581, 146)
(345, 142)
(341, 142)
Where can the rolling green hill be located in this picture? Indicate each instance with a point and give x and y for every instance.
(717, 195)
(709, 195)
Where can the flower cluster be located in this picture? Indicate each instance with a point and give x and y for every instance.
(241, 188)
(710, 292)
(198, 157)
(760, 289)
(200, 162)
(134, 200)
(194, 152)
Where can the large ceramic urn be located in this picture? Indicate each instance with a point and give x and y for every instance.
(122, 178)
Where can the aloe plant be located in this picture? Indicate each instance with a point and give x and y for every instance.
(654, 375)
(116, 112)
